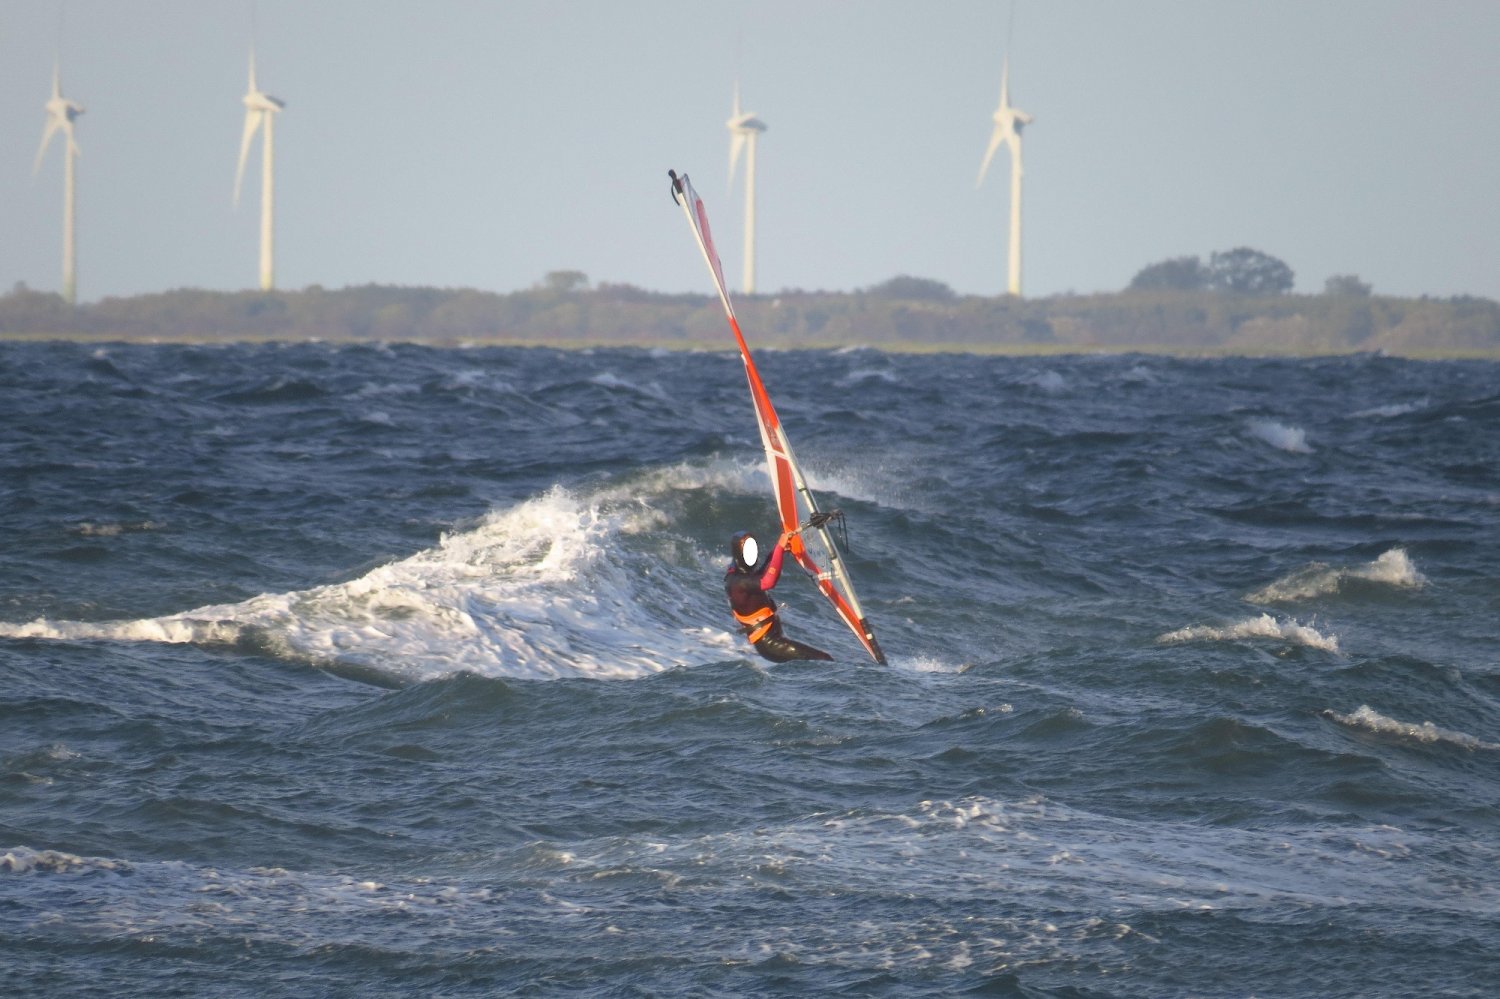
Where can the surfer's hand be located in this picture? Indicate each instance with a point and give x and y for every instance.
(786, 538)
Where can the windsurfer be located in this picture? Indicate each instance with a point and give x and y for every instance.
(746, 583)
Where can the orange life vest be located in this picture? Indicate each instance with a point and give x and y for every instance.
(756, 623)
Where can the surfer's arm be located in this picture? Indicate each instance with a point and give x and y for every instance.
(773, 564)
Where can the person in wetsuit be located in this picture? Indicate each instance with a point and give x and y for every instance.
(746, 584)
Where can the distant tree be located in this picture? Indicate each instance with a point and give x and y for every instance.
(1177, 274)
(1346, 286)
(913, 289)
(1249, 272)
(565, 281)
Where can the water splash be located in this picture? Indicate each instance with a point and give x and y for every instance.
(1279, 435)
(1264, 626)
(1393, 568)
(1367, 718)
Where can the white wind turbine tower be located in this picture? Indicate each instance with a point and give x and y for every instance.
(261, 109)
(1008, 124)
(60, 115)
(743, 128)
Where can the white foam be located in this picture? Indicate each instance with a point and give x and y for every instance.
(927, 664)
(1392, 568)
(1279, 435)
(1395, 409)
(24, 860)
(1368, 718)
(548, 588)
(861, 376)
(1264, 626)
(1050, 382)
(608, 379)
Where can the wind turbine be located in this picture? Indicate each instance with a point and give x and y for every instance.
(261, 109)
(60, 115)
(743, 128)
(1008, 124)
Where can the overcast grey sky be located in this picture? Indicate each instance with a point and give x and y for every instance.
(460, 143)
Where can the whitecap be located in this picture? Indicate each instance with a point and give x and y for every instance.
(610, 380)
(1279, 435)
(1392, 568)
(1264, 626)
(545, 589)
(863, 375)
(1050, 382)
(1394, 409)
(1369, 719)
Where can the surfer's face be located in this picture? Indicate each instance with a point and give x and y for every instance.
(745, 550)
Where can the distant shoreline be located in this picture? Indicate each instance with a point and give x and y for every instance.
(893, 347)
(906, 316)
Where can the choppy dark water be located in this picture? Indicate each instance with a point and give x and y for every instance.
(369, 671)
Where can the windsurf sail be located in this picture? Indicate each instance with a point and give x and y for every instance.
(813, 546)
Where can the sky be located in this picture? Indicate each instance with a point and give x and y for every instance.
(486, 143)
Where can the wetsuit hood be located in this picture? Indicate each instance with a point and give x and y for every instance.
(745, 551)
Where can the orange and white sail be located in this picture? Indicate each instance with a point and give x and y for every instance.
(813, 547)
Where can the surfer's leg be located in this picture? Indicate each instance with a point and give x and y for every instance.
(780, 649)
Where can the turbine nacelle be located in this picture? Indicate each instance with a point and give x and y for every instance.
(259, 102)
(746, 122)
(60, 107)
(1010, 120)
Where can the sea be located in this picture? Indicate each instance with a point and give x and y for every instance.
(397, 670)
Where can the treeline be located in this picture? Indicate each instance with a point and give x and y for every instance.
(903, 313)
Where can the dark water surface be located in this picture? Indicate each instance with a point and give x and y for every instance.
(399, 671)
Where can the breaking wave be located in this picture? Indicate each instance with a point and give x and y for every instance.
(1392, 568)
(1367, 718)
(1264, 626)
(1281, 436)
(549, 588)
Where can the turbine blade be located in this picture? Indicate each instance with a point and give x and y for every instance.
(252, 122)
(996, 137)
(736, 146)
(53, 124)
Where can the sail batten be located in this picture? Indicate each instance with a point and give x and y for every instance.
(795, 503)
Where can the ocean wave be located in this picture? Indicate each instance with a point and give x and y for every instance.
(1394, 409)
(610, 380)
(862, 376)
(1279, 435)
(1392, 568)
(24, 860)
(1049, 382)
(556, 586)
(1367, 718)
(1264, 626)
(546, 589)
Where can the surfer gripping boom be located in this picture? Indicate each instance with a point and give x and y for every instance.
(746, 584)
(814, 550)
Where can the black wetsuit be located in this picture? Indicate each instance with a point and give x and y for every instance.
(756, 611)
